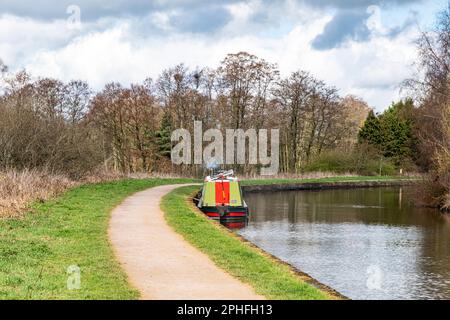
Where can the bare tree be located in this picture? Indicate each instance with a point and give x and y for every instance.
(245, 80)
(432, 115)
(65, 126)
(77, 97)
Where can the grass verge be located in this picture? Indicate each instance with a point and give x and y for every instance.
(37, 249)
(330, 179)
(268, 277)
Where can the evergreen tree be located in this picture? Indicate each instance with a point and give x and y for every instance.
(371, 130)
(163, 136)
(391, 132)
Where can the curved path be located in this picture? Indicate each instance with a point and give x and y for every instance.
(159, 262)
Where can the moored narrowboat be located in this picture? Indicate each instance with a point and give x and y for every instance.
(221, 197)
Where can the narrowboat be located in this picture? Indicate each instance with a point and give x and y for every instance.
(221, 197)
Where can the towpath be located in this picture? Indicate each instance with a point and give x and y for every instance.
(159, 262)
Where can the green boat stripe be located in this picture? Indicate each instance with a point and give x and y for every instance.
(209, 196)
(235, 194)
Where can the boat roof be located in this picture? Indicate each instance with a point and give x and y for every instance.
(222, 176)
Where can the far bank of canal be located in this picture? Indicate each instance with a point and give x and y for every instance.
(367, 243)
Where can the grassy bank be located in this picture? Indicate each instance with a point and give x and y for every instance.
(264, 181)
(37, 249)
(268, 277)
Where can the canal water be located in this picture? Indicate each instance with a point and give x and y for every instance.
(366, 243)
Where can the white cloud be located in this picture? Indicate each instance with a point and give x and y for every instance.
(111, 50)
(161, 20)
(21, 36)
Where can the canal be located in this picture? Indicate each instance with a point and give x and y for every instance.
(366, 243)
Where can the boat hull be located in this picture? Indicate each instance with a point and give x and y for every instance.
(226, 213)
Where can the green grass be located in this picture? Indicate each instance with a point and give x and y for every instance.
(331, 179)
(268, 277)
(36, 250)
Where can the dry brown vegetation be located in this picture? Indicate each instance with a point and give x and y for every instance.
(20, 188)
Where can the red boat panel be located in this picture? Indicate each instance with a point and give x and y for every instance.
(222, 193)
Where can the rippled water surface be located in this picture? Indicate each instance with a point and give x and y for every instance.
(366, 243)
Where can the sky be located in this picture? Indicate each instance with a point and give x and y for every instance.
(362, 47)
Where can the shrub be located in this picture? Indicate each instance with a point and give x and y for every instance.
(359, 161)
(20, 188)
